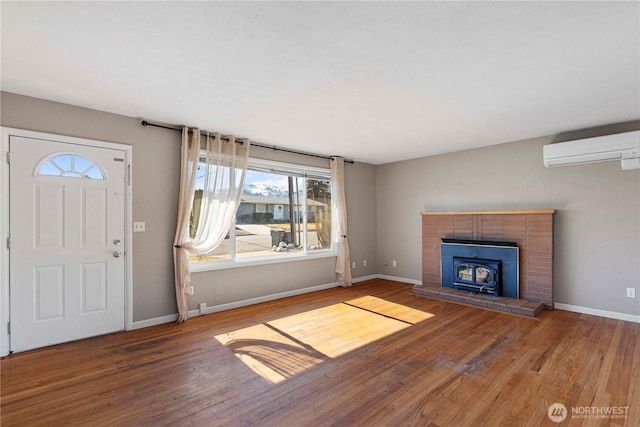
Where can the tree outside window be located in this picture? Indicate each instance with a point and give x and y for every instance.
(284, 210)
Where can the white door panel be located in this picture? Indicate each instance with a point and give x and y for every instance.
(65, 282)
(48, 292)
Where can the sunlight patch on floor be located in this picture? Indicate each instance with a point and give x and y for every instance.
(284, 347)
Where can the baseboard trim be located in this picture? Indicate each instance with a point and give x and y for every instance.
(243, 303)
(265, 298)
(236, 304)
(596, 312)
(364, 278)
(155, 321)
(399, 279)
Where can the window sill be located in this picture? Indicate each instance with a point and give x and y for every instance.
(248, 262)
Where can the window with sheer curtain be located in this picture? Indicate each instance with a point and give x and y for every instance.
(217, 166)
(285, 212)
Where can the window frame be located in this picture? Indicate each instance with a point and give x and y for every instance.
(271, 166)
(69, 173)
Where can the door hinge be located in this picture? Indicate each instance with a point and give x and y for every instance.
(9, 327)
(9, 243)
(9, 157)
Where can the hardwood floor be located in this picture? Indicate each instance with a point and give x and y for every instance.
(374, 354)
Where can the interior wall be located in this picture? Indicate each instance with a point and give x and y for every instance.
(360, 179)
(597, 245)
(156, 167)
(597, 224)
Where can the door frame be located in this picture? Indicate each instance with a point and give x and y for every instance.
(5, 303)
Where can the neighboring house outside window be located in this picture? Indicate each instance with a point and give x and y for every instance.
(284, 213)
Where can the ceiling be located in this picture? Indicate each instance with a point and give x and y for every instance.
(372, 81)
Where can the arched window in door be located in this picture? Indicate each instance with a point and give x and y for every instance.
(70, 165)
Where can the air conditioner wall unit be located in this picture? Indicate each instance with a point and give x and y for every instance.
(620, 146)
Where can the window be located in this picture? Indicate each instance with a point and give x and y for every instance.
(284, 212)
(70, 165)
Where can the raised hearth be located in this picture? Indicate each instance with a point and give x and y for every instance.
(506, 304)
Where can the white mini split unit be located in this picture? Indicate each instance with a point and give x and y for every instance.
(620, 146)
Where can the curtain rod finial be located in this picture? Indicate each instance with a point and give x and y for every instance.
(145, 123)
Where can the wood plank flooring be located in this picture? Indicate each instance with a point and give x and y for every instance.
(374, 354)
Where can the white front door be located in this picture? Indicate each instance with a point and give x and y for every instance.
(67, 209)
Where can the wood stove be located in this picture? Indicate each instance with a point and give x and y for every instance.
(480, 266)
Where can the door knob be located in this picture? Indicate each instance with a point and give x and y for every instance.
(117, 242)
(117, 254)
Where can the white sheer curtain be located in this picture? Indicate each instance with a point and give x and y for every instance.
(343, 267)
(220, 175)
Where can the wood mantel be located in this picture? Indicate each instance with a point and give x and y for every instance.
(503, 212)
(531, 229)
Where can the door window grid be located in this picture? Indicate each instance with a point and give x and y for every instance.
(70, 165)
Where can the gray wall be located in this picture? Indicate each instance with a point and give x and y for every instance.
(360, 179)
(597, 247)
(597, 224)
(156, 154)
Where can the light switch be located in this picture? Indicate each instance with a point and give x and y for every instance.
(138, 227)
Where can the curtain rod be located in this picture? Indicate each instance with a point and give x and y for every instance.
(253, 144)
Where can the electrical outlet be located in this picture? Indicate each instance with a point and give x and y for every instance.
(364, 263)
(203, 308)
(631, 292)
(353, 264)
(395, 264)
(138, 227)
(190, 290)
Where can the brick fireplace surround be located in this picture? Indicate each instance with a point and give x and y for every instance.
(532, 230)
